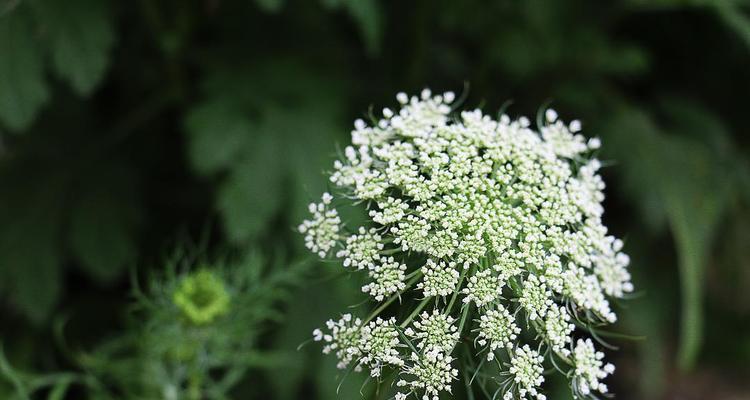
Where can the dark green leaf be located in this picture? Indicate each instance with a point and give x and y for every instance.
(689, 188)
(217, 133)
(80, 36)
(30, 227)
(306, 135)
(632, 141)
(368, 16)
(251, 194)
(59, 389)
(695, 196)
(103, 226)
(23, 89)
(733, 16)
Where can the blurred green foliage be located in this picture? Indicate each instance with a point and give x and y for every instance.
(125, 125)
(192, 334)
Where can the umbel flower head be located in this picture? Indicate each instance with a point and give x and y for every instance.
(485, 251)
(202, 297)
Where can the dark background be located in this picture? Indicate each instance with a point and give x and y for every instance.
(127, 128)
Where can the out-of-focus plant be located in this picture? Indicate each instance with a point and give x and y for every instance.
(236, 139)
(77, 37)
(194, 334)
(696, 181)
(505, 217)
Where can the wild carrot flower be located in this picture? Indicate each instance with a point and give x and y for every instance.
(484, 247)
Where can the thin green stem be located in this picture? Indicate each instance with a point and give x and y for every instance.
(390, 251)
(455, 292)
(416, 311)
(464, 316)
(469, 392)
(6, 371)
(412, 275)
(410, 282)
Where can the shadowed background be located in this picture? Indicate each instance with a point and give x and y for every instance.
(126, 127)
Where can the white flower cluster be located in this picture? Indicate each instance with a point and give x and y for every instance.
(438, 278)
(388, 278)
(461, 205)
(379, 345)
(432, 372)
(499, 329)
(342, 339)
(535, 298)
(483, 288)
(557, 329)
(526, 369)
(435, 332)
(322, 230)
(362, 249)
(589, 368)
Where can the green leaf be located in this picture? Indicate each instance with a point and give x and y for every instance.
(103, 226)
(309, 136)
(368, 16)
(704, 177)
(59, 389)
(689, 189)
(30, 227)
(733, 16)
(632, 140)
(252, 192)
(647, 316)
(217, 133)
(23, 89)
(285, 146)
(80, 35)
(694, 196)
